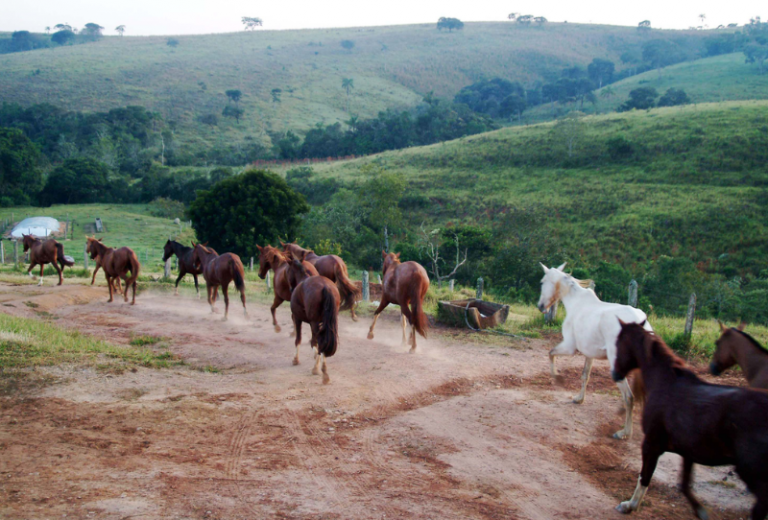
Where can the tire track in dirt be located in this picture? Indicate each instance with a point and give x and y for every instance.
(236, 448)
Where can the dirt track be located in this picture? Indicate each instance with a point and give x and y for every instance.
(462, 429)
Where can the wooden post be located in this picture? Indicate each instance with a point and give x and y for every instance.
(690, 315)
(167, 270)
(85, 257)
(2, 252)
(450, 285)
(479, 295)
(632, 301)
(269, 281)
(378, 276)
(251, 264)
(366, 287)
(16, 254)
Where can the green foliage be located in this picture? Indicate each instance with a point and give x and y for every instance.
(234, 95)
(77, 181)
(233, 112)
(674, 97)
(255, 207)
(640, 99)
(496, 97)
(172, 43)
(64, 37)
(450, 24)
(166, 208)
(348, 45)
(757, 53)
(20, 176)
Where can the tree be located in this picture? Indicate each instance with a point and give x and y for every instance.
(641, 98)
(348, 45)
(80, 180)
(513, 105)
(601, 71)
(540, 20)
(702, 17)
(348, 84)
(172, 42)
(22, 41)
(234, 95)
(120, 30)
(63, 27)
(756, 53)
(644, 26)
(255, 207)
(92, 31)
(431, 241)
(233, 112)
(569, 129)
(607, 93)
(20, 175)
(450, 24)
(47, 29)
(662, 53)
(512, 16)
(674, 97)
(252, 22)
(63, 37)
(209, 119)
(525, 19)
(276, 95)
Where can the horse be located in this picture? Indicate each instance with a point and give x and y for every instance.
(315, 300)
(116, 264)
(404, 283)
(45, 252)
(271, 258)
(737, 347)
(333, 268)
(119, 287)
(219, 271)
(704, 423)
(186, 263)
(590, 327)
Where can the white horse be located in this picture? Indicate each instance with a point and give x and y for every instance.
(591, 327)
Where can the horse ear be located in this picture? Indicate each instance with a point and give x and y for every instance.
(397, 255)
(303, 255)
(193, 243)
(101, 239)
(562, 266)
(383, 254)
(723, 328)
(259, 247)
(282, 243)
(742, 326)
(546, 269)
(642, 323)
(621, 322)
(204, 243)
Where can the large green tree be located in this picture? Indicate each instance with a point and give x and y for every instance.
(77, 181)
(20, 177)
(256, 207)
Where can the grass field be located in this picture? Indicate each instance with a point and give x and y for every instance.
(392, 67)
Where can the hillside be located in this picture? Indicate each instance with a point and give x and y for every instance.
(683, 182)
(707, 80)
(392, 67)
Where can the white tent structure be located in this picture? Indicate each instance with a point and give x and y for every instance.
(35, 226)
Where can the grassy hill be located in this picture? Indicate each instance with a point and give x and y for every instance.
(685, 181)
(392, 67)
(707, 80)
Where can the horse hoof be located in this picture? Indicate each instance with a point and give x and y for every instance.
(315, 372)
(326, 379)
(295, 361)
(578, 399)
(370, 335)
(277, 328)
(702, 513)
(412, 351)
(624, 508)
(620, 436)
(224, 318)
(354, 318)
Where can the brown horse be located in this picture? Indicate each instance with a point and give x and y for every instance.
(333, 268)
(737, 347)
(272, 258)
(704, 423)
(403, 284)
(219, 271)
(119, 287)
(116, 264)
(43, 252)
(186, 263)
(316, 301)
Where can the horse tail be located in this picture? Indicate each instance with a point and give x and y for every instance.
(328, 337)
(638, 388)
(60, 256)
(238, 273)
(348, 291)
(135, 268)
(419, 319)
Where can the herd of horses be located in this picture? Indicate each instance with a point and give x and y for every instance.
(704, 423)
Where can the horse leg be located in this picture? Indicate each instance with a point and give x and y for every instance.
(119, 288)
(297, 326)
(626, 396)
(58, 270)
(93, 278)
(225, 291)
(109, 283)
(760, 490)
(181, 275)
(698, 509)
(326, 378)
(42, 268)
(242, 299)
(275, 304)
(197, 287)
(32, 265)
(352, 312)
(413, 340)
(578, 399)
(316, 370)
(403, 323)
(565, 348)
(382, 306)
(651, 454)
(210, 295)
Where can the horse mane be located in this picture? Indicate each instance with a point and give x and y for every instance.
(659, 351)
(586, 284)
(752, 340)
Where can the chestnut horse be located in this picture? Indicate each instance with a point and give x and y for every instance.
(119, 287)
(315, 300)
(116, 264)
(219, 271)
(736, 347)
(333, 268)
(404, 283)
(272, 258)
(704, 423)
(186, 264)
(45, 252)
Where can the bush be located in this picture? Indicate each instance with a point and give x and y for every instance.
(166, 208)
(641, 98)
(674, 97)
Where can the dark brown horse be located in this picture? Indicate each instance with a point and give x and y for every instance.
(117, 263)
(186, 262)
(43, 252)
(333, 268)
(404, 284)
(219, 271)
(119, 287)
(736, 347)
(272, 258)
(316, 301)
(704, 423)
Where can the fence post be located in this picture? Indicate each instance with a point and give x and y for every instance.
(167, 270)
(450, 284)
(632, 300)
(2, 252)
(85, 257)
(251, 264)
(690, 315)
(269, 281)
(378, 277)
(480, 288)
(366, 287)
(16, 254)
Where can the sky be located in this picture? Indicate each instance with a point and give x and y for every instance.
(165, 17)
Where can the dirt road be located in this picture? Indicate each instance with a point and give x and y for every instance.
(461, 429)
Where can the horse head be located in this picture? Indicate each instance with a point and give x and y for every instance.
(390, 260)
(551, 286)
(630, 347)
(93, 246)
(269, 258)
(199, 254)
(27, 241)
(167, 250)
(724, 356)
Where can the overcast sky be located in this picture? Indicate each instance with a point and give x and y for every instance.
(148, 17)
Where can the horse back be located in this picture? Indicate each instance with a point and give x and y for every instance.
(307, 298)
(404, 280)
(326, 265)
